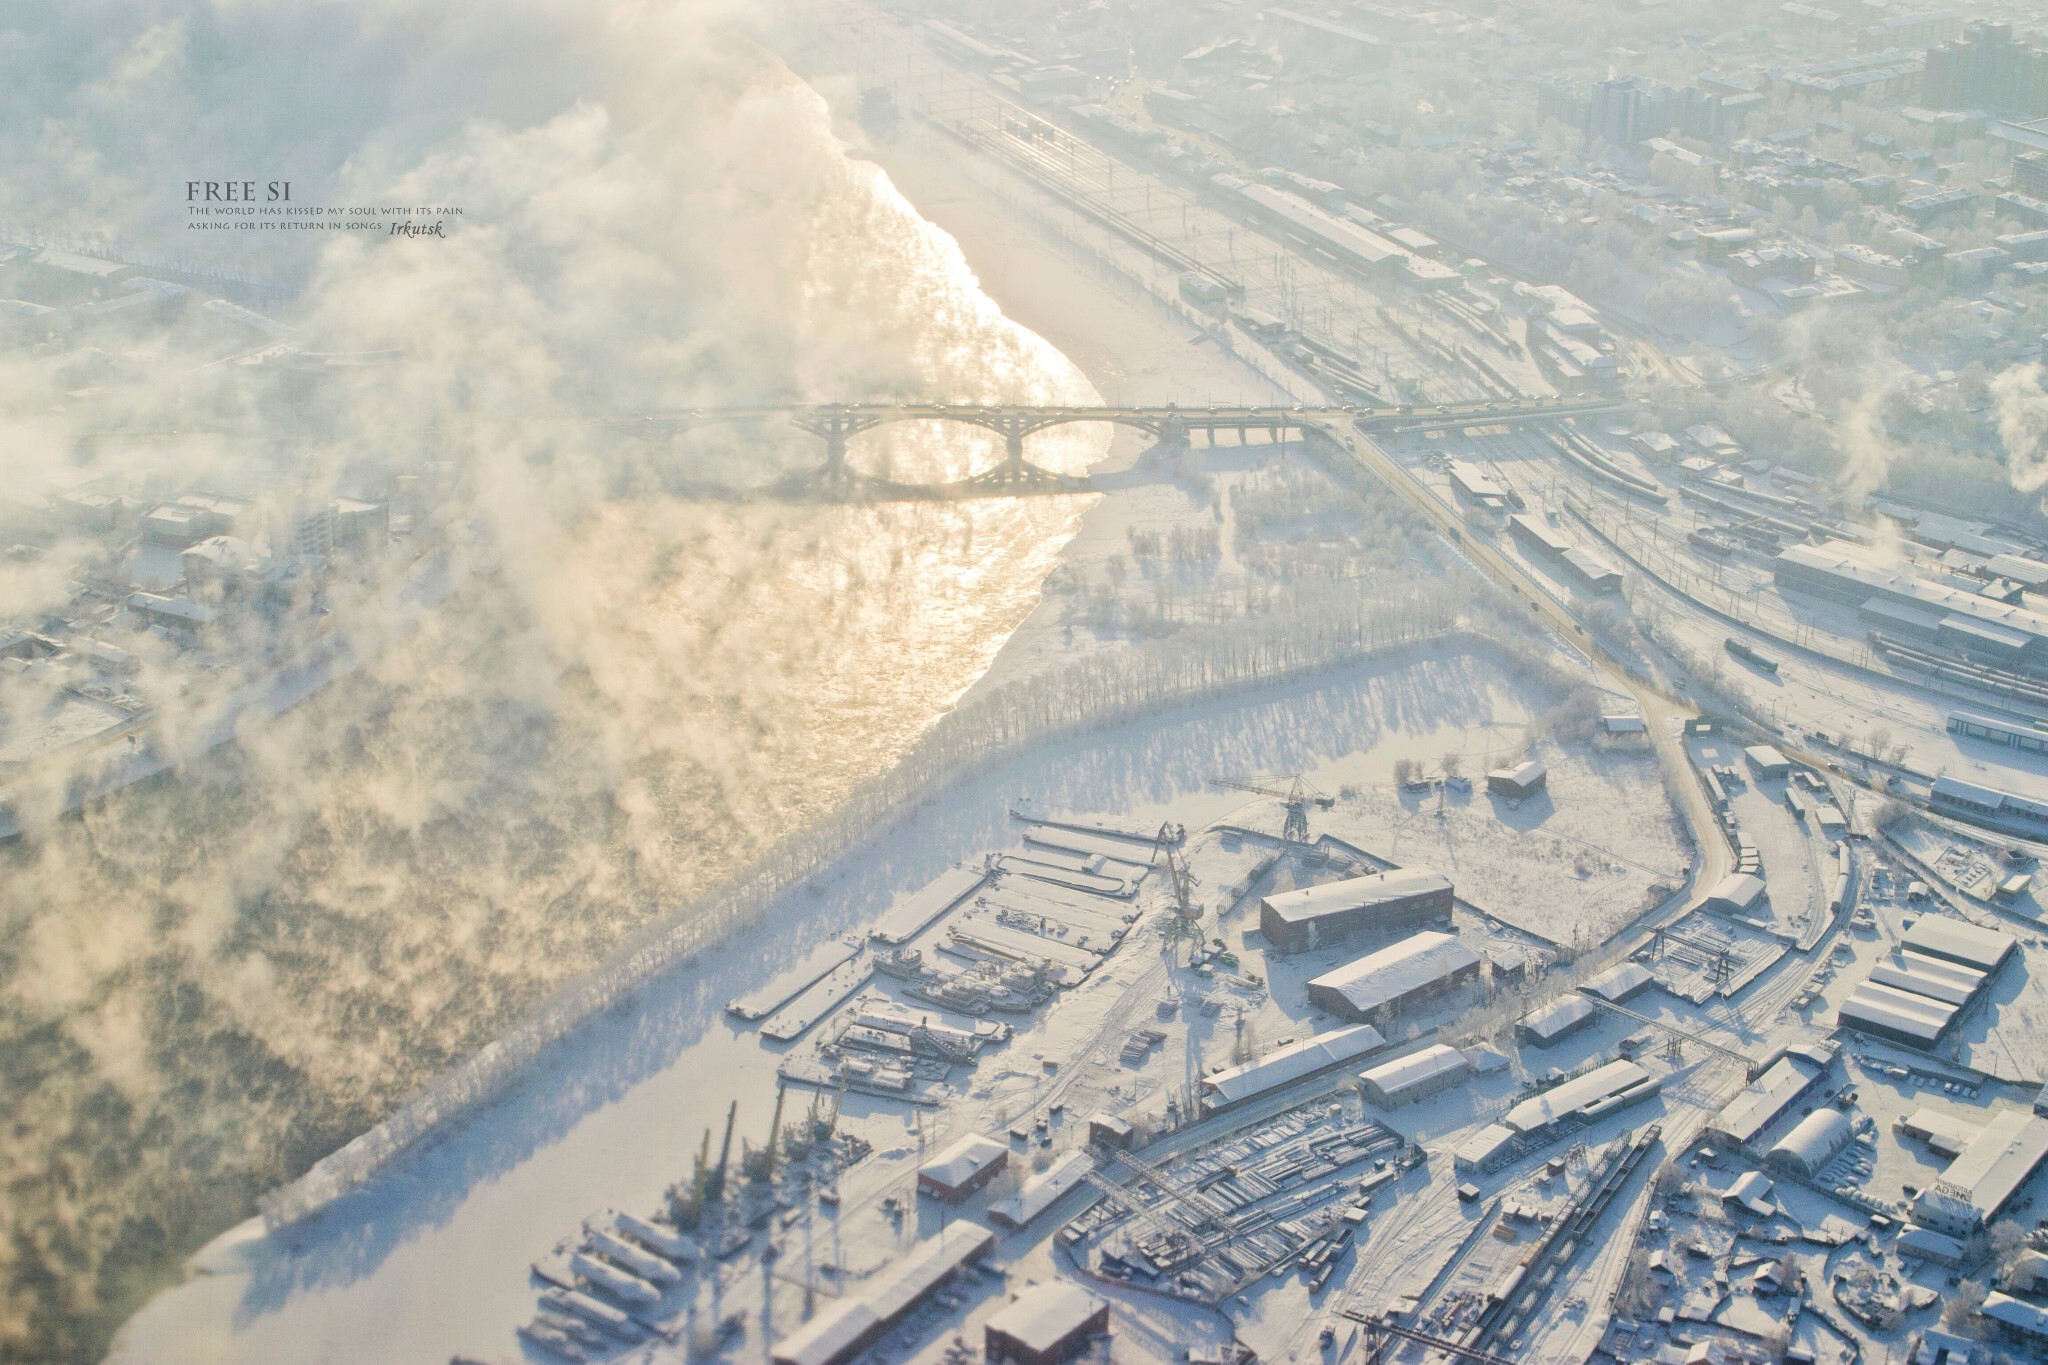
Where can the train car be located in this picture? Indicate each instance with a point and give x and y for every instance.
(1750, 656)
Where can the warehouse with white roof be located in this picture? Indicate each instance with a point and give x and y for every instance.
(1384, 902)
(1284, 1065)
(1381, 985)
(1985, 950)
(1619, 982)
(1410, 1078)
(1744, 1120)
(1583, 1098)
(1883, 1011)
(1547, 1024)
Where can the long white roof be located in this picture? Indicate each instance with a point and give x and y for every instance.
(1943, 936)
(1874, 1003)
(1354, 893)
(1575, 1094)
(1768, 1096)
(1294, 1061)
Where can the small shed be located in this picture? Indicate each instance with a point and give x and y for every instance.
(962, 1168)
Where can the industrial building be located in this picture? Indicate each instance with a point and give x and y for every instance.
(1784, 1083)
(1474, 485)
(1622, 981)
(1523, 780)
(1738, 894)
(1046, 1325)
(1964, 620)
(1587, 569)
(962, 1168)
(1547, 1024)
(1934, 977)
(1985, 950)
(1767, 761)
(846, 1326)
(1979, 1184)
(1883, 1011)
(1813, 1142)
(1282, 1066)
(1385, 902)
(1415, 1076)
(1944, 1133)
(1381, 985)
(1489, 1149)
(2014, 734)
(1582, 1099)
(1041, 1191)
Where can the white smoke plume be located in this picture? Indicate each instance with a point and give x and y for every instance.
(211, 979)
(2020, 408)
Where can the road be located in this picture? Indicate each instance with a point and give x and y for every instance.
(1713, 858)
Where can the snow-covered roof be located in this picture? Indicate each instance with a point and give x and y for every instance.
(1947, 1133)
(1998, 1161)
(1814, 1140)
(1559, 1017)
(1294, 1061)
(1958, 941)
(1354, 893)
(1949, 982)
(1523, 774)
(833, 1334)
(2007, 1311)
(1413, 964)
(1046, 1314)
(1930, 1245)
(1426, 1067)
(1575, 1094)
(1619, 982)
(1745, 1118)
(1752, 1190)
(1766, 757)
(1043, 1190)
(1482, 1147)
(1738, 890)
(1887, 1008)
(962, 1161)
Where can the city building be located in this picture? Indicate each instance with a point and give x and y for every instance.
(1979, 1184)
(1046, 1325)
(1384, 902)
(1813, 1142)
(1987, 68)
(1382, 985)
(962, 1168)
(1415, 1076)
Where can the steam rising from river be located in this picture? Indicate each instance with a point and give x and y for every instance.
(207, 983)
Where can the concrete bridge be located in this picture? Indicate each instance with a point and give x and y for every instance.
(1016, 476)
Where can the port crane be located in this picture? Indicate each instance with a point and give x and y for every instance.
(1297, 792)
